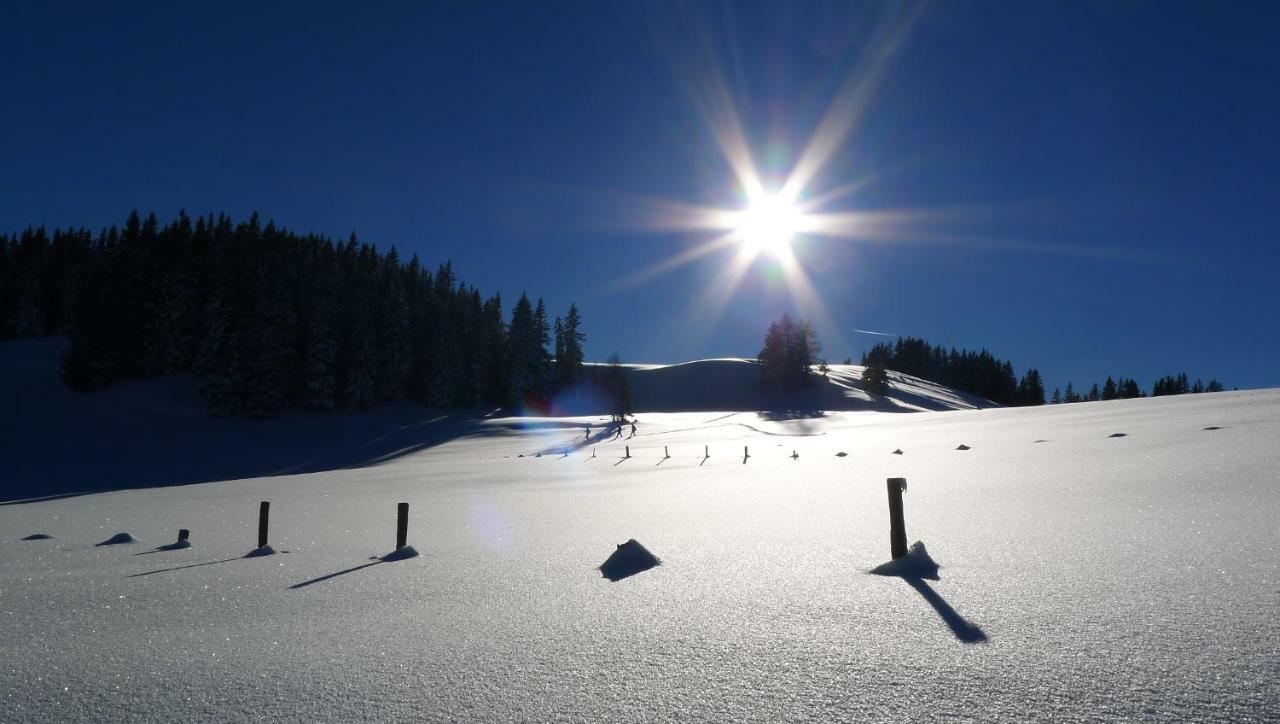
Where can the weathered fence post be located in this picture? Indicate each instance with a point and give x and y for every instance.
(745, 453)
(897, 528)
(402, 524)
(628, 452)
(183, 534)
(665, 453)
(706, 451)
(264, 513)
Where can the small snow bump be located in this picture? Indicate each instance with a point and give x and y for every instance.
(897, 452)
(962, 446)
(629, 559)
(1213, 427)
(915, 564)
(39, 536)
(259, 552)
(401, 554)
(842, 454)
(118, 539)
(1118, 434)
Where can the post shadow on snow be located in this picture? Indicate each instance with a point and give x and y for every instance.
(327, 576)
(255, 553)
(189, 565)
(401, 554)
(914, 568)
(181, 545)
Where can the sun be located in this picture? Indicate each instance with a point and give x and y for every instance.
(768, 225)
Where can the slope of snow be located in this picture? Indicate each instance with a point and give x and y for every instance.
(145, 433)
(733, 384)
(1082, 576)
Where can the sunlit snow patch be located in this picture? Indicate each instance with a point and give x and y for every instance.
(915, 564)
(629, 559)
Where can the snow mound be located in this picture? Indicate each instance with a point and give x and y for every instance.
(259, 552)
(898, 451)
(915, 564)
(1118, 434)
(118, 539)
(39, 536)
(401, 554)
(962, 446)
(629, 559)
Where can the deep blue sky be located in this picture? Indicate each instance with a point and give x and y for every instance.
(1110, 171)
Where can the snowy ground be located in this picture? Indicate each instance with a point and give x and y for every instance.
(1082, 576)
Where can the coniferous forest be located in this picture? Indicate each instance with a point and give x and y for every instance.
(269, 320)
(978, 373)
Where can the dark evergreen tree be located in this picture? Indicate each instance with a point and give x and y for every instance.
(1031, 388)
(875, 379)
(789, 352)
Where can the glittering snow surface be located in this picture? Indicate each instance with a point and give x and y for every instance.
(1083, 576)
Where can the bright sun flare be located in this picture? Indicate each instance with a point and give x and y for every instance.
(768, 225)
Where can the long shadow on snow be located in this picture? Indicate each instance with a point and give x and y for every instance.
(963, 629)
(104, 452)
(914, 568)
(327, 576)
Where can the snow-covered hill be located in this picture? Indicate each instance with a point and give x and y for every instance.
(733, 384)
(155, 432)
(1102, 560)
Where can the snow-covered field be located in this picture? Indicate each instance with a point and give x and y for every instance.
(1083, 574)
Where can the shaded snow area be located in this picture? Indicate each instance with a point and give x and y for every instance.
(1079, 576)
(147, 433)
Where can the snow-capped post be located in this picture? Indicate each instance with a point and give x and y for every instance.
(897, 528)
(402, 524)
(264, 512)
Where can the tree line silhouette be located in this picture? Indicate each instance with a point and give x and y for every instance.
(1124, 388)
(979, 373)
(982, 374)
(269, 320)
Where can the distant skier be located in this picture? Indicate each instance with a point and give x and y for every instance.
(633, 428)
(587, 435)
(618, 433)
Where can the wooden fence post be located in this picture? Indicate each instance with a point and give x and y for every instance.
(264, 514)
(897, 528)
(402, 524)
